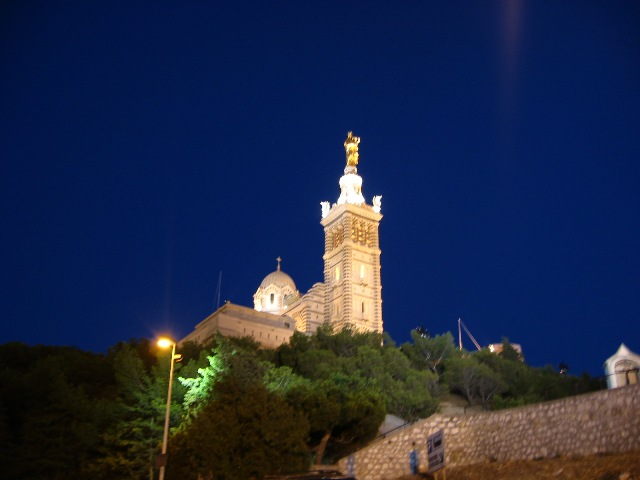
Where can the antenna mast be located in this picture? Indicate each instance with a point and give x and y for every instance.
(461, 324)
(218, 291)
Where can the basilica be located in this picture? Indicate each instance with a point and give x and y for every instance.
(351, 293)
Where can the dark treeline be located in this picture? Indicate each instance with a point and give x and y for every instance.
(239, 411)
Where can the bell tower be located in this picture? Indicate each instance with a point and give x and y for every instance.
(353, 291)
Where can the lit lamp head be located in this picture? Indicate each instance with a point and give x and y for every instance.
(164, 342)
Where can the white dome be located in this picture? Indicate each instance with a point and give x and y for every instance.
(278, 278)
(276, 292)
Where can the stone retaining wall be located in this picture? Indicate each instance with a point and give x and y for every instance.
(602, 422)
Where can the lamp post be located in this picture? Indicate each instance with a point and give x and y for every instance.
(166, 343)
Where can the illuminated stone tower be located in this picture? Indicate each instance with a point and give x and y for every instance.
(353, 291)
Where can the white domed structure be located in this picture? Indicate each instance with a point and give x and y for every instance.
(276, 292)
(622, 368)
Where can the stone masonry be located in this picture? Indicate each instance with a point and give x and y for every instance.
(607, 421)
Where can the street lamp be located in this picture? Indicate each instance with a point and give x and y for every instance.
(165, 342)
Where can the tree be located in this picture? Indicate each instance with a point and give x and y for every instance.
(428, 352)
(518, 377)
(60, 438)
(408, 393)
(200, 387)
(487, 385)
(288, 354)
(281, 380)
(244, 432)
(509, 352)
(343, 413)
(237, 358)
(317, 364)
(131, 443)
(53, 411)
(476, 381)
(345, 342)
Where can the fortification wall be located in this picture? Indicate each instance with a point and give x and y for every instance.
(607, 421)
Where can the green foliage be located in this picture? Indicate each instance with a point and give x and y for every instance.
(199, 388)
(352, 368)
(345, 342)
(521, 383)
(239, 411)
(52, 411)
(408, 393)
(191, 351)
(227, 357)
(60, 438)
(508, 352)
(429, 353)
(317, 364)
(492, 380)
(476, 381)
(144, 349)
(244, 432)
(288, 354)
(129, 446)
(517, 376)
(503, 402)
(342, 411)
(282, 379)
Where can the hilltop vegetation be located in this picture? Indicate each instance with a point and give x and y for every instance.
(239, 411)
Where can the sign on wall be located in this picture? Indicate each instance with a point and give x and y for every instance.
(435, 451)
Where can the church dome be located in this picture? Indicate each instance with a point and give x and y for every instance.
(278, 278)
(276, 292)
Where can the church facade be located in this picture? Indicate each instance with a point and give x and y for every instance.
(351, 292)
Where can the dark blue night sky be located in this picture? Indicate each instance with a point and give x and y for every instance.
(148, 146)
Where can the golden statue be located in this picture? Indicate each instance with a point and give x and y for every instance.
(351, 147)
